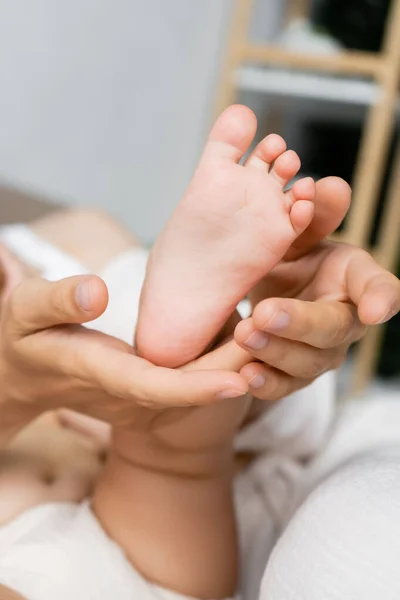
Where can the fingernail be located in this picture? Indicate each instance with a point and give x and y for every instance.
(230, 394)
(280, 321)
(257, 341)
(83, 296)
(257, 382)
(390, 313)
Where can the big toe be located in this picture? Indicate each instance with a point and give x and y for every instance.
(332, 201)
(232, 134)
(333, 195)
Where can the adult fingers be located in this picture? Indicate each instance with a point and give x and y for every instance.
(373, 289)
(227, 356)
(128, 376)
(332, 201)
(294, 358)
(11, 273)
(37, 304)
(94, 361)
(323, 324)
(267, 383)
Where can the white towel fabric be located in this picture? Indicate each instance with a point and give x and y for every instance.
(341, 469)
(343, 543)
(124, 277)
(52, 262)
(60, 551)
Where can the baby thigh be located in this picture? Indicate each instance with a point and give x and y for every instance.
(344, 542)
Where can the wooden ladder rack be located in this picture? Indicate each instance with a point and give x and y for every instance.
(382, 68)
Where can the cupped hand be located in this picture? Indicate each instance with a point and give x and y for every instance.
(314, 304)
(49, 361)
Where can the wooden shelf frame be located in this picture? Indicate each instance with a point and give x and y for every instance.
(384, 69)
(361, 64)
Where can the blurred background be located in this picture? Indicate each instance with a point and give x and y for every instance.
(107, 104)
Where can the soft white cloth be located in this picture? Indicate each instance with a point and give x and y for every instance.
(52, 262)
(124, 277)
(268, 492)
(343, 543)
(340, 469)
(60, 551)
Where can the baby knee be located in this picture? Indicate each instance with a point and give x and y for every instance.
(343, 543)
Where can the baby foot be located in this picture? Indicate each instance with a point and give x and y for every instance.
(232, 227)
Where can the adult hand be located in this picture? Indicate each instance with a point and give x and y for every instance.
(314, 304)
(48, 361)
(11, 273)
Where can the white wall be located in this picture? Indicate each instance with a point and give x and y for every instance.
(105, 102)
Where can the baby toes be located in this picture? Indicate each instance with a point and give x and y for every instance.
(303, 189)
(301, 204)
(285, 167)
(266, 152)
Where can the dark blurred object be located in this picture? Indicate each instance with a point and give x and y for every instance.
(389, 362)
(357, 24)
(329, 148)
(16, 206)
(332, 148)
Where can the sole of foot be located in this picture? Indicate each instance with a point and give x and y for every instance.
(232, 227)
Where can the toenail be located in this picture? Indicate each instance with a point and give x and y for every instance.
(257, 341)
(257, 382)
(280, 321)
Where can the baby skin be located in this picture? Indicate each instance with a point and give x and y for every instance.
(165, 495)
(232, 227)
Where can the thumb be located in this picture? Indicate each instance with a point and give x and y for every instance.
(228, 356)
(38, 304)
(11, 273)
(332, 201)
